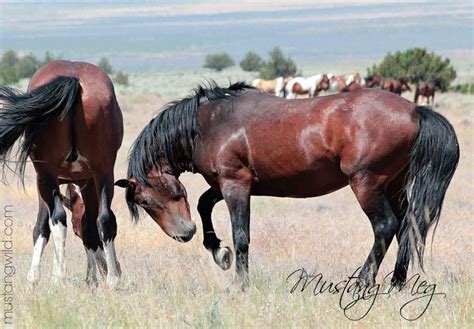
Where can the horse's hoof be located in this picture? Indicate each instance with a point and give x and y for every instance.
(112, 281)
(33, 278)
(58, 280)
(92, 282)
(223, 257)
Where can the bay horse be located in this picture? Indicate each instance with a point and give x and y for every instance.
(73, 128)
(311, 86)
(426, 90)
(372, 81)
(396, 86)
(397, 158)
(275, 86)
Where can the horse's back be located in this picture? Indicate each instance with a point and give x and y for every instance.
(322, 140)
(95, 125)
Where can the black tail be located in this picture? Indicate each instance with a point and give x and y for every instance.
(417, 94)
(29, 112)
(433, 159)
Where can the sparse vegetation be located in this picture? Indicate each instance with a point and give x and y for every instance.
(251, 62)
(416, 64)
(465, 88)
(278, 65)
(167, 284)
(218, 62)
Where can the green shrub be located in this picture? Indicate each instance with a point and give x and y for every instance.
(278, 65)
(218, 62)
(27, 66)
(418, 65)
(251, 62)
(121, 78)
(8, 67)
(8, 75)
(105, 65)
(465, 88)
(49, 57)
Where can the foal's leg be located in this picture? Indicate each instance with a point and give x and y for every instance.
(373, 200)
(107, 225)
(237, 197)
(48, 189)
(41, 234)
(222, 256)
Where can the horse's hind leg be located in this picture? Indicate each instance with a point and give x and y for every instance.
(90, 234)
(41, 234)
(399, 203)
(372, 198)
(107, 225)
(222, 256)
(48, 189)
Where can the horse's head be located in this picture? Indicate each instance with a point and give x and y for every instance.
(325, 83)
(164, 198)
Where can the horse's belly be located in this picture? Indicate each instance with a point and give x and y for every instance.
(302, 185)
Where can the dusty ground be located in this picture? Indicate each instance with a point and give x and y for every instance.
(168, 284)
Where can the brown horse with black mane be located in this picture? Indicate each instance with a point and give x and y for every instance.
(397, 158)
(427, 91)
(396, 86)
(72, 127)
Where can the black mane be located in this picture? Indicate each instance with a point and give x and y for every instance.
(168, 139)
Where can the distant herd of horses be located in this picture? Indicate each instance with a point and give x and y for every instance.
(291, 88)
(397, 157)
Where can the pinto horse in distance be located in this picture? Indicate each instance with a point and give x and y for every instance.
(397, 158)
(368, 82)
(275, 86)
(73, 128)
(396, 86)
(426, 90)
(311, 86)
(341, 83)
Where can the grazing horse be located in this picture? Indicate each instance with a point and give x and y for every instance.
(311, 86)
(396, 86)
(397, 158)
(372, 81)
(342, 83)
(426, 90)
(73, 128)
(368, 82)
(275, 86)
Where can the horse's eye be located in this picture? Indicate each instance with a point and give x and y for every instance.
(146, 202)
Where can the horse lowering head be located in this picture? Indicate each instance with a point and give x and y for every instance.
(405, 85)
(163, 150)
(164, 198)
(373, 80)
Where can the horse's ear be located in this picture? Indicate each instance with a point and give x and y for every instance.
(124, 183)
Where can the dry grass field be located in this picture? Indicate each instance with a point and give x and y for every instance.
(167, 284)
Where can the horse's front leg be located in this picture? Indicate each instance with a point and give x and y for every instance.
(236, 194)
(207, 201)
